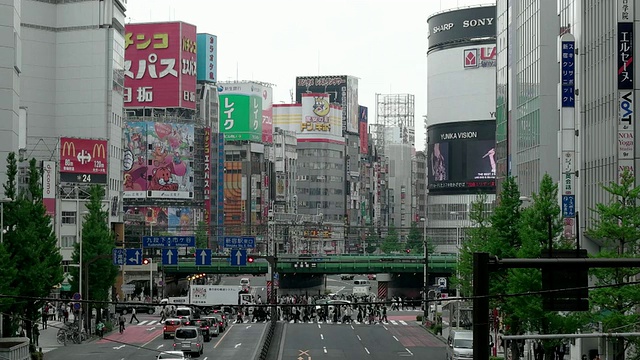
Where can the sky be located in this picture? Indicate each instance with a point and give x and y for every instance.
(381, 42)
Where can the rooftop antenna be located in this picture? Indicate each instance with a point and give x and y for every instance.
(318, 62)
(291, 95)
(237, 71)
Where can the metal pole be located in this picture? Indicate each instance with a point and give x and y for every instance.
(1, 242)
(151, 279)
(425, 284)
(79, 237)
(458, 243)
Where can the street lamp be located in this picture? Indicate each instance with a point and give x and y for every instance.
(149, 261)
(425, 290)
(458, 248)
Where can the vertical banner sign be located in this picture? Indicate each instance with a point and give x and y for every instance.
(49, 187)
(626, 94)
(207, 184)
(220, 173)
(567, 128)
(363, 120)
(207, 58)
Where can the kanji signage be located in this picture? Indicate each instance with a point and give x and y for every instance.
(83, 160)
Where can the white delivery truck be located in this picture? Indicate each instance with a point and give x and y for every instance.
(360, 291)
(217, 295)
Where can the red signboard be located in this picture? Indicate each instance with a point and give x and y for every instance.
(363, 121)
(160, 65)
(83, 156)
(207, 181)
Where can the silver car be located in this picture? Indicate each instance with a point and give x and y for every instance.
(189, 339)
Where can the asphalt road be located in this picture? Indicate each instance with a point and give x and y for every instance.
(340, 341)
(145, 341)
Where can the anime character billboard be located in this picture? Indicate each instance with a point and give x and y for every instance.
(169, 160)
(181, 221)
(134, 163)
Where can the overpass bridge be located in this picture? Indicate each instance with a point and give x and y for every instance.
(444, 264)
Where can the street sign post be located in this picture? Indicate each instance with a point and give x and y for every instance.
(119, 256)
(239, 242)
(134, 256)
(203, 256)
(169, 257)
(168, 241)
(238, 257)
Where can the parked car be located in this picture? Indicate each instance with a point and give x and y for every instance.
(189, 339)
(127, 308)
(347, 277)
(204, 326)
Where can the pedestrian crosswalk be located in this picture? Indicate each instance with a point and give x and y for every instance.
(146, 323)
(355, 322)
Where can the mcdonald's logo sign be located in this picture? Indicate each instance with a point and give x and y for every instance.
(83, 156)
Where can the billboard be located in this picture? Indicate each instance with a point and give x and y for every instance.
(160, 65)
(473, 97)
(170, 160)
(342, 90)
(207, 58)
(461, 156)
(49, 187)
(320, 121)
(253, 90)
(181, 221)
(134, 162)
(363, 120)
(470, 24)
(83, 160)
(625, 56)
(207, 180)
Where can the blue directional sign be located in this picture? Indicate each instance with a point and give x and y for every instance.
(119, 256)
(169, 257)
(168, 241)
(239, 242)
(568, 206)
(203, 256)
(238, 257)
(134, 257)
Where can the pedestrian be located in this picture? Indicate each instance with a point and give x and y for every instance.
(36, 334)
(100, 329)
(45, 316)
(384, 314)
(122, 320)
(133, 316)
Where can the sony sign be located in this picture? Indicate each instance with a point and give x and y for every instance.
(462, 25)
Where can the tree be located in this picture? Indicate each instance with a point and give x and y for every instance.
(202, 238)
(415, 239)
(617, 226)
(390, 243)
(477, 236)
(98, 243)
(8, 270)
(33, 245)
(373, 241)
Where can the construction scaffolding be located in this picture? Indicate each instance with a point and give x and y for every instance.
(395, 120)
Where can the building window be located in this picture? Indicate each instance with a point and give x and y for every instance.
(69, 217)
(67, 241)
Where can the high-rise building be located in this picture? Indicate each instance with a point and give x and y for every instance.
(461, 61)
(62, 84)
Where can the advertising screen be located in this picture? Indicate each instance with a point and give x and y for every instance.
(207, 58)
(83, 160)
(264, 94)
(160, 65)
(342, 90)
(134, 163)
(363, 120)
(170, 160)
(461, 156)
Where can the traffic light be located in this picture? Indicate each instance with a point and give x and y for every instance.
(408, 251)
(146, 261)
(250, 259)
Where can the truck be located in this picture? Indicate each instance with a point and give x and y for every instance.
(216, 295)
(361, 290)
(178, 300)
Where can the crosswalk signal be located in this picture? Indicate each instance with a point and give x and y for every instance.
(250, 259)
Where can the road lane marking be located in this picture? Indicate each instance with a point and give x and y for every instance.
(359, 337)
(403, 322)
(385, 327)
(238, 344)
(304, 352)
(367, 350)
(352, 328)
(159, 346)
(319, 327)
(409, 351)
(118, 347)
(248, 327)
(321, 336)
(325, 349)
(140, 323)
(222, 337)
(396, 338)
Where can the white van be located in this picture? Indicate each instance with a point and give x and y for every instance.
(362, 282)
(184, 312)
(460, 345)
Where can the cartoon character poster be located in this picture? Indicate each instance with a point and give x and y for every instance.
(170, 160)
(134, 163)
(181, 221)
(157, 218)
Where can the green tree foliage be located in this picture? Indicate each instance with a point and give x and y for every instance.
(32, 244)
(617, 227)
(202, 239)
(372, 238)
(415, 238)
(390, 243)
(97, 245)
(8, 270)
(476, 236)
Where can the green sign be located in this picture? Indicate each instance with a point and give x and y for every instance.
(241, 117)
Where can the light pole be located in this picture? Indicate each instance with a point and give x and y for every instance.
(425, 290)
(458, 248)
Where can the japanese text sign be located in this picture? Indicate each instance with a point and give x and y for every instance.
(625, 56)
(568, 73)
(241, 117)
(168, 241)
(160, 65)
(83, 156)
(207, 58)
(239, 242)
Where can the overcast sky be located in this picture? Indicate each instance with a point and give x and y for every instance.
(382, 42)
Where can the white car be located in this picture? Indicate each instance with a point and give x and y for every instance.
(246, 283)
(171, 355)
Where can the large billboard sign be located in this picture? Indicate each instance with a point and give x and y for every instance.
(342, 90)
(461, 156)
(160, 65)
(207, 58)
(83, 160)
(158, 160)
(49, 187)
(456, 26)
(259, 93)
(320, 120)
(207, 180)
(240, 117)
(363, 120)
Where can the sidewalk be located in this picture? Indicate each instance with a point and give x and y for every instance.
(48, 337)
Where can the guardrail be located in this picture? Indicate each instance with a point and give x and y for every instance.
(268, 337)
